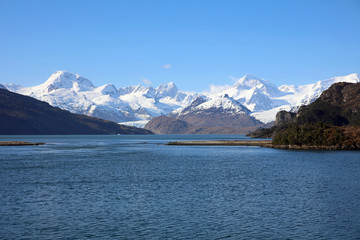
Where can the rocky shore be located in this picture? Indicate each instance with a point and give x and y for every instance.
(19, 143)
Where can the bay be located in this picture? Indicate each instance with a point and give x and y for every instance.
(135, 187)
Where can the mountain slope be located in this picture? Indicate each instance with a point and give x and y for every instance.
(169, 125)
(22, 115)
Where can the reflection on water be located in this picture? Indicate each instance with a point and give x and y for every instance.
(134, 187)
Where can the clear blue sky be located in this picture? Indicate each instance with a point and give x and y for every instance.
(205, 42)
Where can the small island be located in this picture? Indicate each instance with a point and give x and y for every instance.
(19, 143)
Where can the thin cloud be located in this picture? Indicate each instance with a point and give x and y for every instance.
(146, 81)
(215, 89)
(167, 66)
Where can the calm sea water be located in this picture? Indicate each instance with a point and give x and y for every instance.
(134, 187)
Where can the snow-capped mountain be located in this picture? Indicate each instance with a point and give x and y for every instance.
(305, 94)
(216, 111)
(224, 104)
(255, 93)
(134, 104)
(264, 99)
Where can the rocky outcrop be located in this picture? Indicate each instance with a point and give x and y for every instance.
(168, 125)
(283, 117)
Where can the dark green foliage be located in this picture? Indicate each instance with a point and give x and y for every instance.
(320, 111)
(262, 133)
(316, 134)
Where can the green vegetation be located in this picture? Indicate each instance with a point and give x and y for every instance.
(309, 134)
(318, 134)
(262, 133)
(320, 111)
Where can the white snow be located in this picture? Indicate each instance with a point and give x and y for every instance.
(140, 123)
(223, 102)
(135, 105)
(77, 94)
(269, 115)
(265, 99)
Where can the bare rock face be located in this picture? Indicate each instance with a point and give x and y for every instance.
(283, 116)
(168, 125)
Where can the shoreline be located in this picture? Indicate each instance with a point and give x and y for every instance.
(259, 143)
(313, 147)
(19, 143)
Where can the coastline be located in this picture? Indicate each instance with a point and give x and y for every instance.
(260, 143)
(313, 147)
(19, 143)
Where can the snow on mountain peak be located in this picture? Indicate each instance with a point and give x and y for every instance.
(139, 90)
(108, 89)
(167, 90)
(353, 78)
(67, 80)
(224, 102)
(249, 81)
(254, 93)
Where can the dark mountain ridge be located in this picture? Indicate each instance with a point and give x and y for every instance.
(23, 115)
(169, 125)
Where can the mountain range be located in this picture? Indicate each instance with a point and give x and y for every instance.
(255, 100)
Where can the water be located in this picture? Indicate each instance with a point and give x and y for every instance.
(134, 187)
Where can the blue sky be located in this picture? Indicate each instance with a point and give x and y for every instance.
(192, 43)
